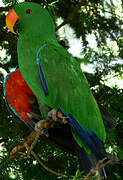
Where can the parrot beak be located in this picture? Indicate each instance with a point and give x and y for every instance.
(11, 19)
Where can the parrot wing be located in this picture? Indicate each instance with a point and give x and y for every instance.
(65, 87)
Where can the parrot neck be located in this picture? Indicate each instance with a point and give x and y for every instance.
(38, 34)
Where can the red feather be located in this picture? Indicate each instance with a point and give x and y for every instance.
(19, 95)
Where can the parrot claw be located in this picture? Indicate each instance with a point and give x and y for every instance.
(53, 114)
(38, 125)
(57, 115)
(62, 118)
(43, 131)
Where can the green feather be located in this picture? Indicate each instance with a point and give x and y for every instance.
(67, 85)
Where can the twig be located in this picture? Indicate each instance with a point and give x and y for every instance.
(44, 125)
(21, 146)
(31, 138)
(70, 16)
(36, 139)
(34, 136)
(100, 165)
(45, 167)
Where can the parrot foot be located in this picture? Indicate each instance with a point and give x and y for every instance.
(63, 119)
(43, 125)
(38, 125)
(57, 115)
(52, 114)
(42, 131)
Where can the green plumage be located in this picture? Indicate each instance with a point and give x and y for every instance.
(68, 87)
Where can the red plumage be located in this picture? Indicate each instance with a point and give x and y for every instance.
(19, 95)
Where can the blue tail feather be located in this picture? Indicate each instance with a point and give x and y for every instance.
(89, 138)
(95, 138)
(83, 134)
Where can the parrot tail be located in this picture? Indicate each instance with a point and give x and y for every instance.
(89, 138)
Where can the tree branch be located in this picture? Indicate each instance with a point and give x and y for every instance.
(70, 16)
(45, 167)
(45, 125)
(30, 139)
(100, 165)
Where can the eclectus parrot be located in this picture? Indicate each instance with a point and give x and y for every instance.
(22, 103)
(54, 76)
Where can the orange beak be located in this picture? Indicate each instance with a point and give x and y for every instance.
(11, 19)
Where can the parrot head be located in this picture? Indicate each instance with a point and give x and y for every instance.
(32, 18)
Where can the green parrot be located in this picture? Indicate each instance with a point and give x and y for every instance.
(49, 71)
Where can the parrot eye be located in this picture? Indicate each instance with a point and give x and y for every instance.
(28, 11)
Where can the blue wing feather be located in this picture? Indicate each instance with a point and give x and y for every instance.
(41, 75)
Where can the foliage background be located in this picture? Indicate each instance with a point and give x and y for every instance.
(102, 19)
